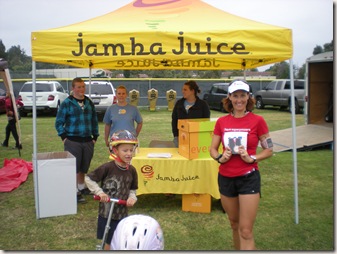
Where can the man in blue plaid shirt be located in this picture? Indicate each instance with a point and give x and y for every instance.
(77, 125)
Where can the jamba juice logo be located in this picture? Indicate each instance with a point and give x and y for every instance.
(147, 172)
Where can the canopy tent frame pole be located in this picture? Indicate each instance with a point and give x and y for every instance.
(34, 159)
(34, 111)
(293, 123)
(90, 73)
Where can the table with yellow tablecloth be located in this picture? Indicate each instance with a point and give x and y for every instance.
(177, 174)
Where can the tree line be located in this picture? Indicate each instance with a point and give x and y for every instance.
(19, 61)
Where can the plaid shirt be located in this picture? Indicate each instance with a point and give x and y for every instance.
(76, 123)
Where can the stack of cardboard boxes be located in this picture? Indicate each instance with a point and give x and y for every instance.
(195, 136)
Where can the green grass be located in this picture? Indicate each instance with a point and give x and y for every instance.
(275, 227)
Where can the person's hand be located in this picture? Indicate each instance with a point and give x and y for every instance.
(226, 155)
(104, 198)
(244, 154)
(176, 141)
(9, 113)
(130, 202)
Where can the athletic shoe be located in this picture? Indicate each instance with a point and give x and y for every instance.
(86, 191)
(80, 199)
(18, 147)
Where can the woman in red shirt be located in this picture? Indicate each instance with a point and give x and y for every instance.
(239, 181)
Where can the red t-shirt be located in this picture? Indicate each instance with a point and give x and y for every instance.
(239, 131)
(9, 106)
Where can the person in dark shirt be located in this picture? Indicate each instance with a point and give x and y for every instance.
(118, 179)
(11, 125)
(188, 107)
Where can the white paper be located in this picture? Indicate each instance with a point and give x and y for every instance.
(235, 139)
(159, 155)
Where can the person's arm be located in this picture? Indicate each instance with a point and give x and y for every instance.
(174, 122)
(133, 194)
(139, 128)
(265, 142)
(94, 121)
(132, 199)
(267, 147)
(207, 111)
(60, 120)
(19, 103)
(93, 186)
(106, 134)
(139, 120)
(216, 140)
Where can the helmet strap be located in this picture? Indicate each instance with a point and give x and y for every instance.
(117, 158)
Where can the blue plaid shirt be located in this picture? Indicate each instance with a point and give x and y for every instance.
(76, 123)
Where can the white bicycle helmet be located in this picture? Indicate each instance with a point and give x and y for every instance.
(138, 232)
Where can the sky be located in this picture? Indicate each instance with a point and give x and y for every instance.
(311, 21)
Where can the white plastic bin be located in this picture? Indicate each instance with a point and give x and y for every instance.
(55, 184)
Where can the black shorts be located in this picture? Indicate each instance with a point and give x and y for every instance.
(101, 224)
(233, 186)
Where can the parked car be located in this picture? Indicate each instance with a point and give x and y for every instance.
(102, 94)
(215, 95)
(2, 101)
(49, 96)
(278, 93)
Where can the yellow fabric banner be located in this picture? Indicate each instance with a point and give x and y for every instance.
(154, 34)
(175, 174)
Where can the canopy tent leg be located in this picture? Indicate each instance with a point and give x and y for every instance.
(34, 159)
(293, 123)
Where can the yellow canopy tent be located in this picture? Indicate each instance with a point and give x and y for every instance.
(172, 34)
(177, 34)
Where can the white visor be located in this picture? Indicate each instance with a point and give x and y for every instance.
(238, 85)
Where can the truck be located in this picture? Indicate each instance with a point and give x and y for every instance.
(278, 93)
(215, 95)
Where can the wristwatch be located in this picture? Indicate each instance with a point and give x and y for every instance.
(254, 159)
(218, 158)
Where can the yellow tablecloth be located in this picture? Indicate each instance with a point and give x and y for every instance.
(176, 174)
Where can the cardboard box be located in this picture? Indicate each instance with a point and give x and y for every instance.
(195, 137)
(55, 184)
(197, 203)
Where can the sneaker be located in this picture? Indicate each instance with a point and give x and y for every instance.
(18, 147)
(4, 145)
(80, 199)
(86, 191)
